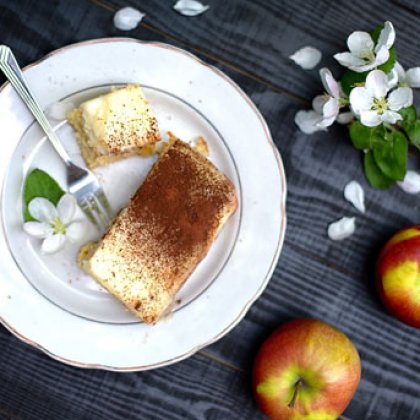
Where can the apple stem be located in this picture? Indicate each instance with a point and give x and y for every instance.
(297, 387)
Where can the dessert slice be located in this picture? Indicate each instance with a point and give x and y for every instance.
(165, 231)
(114, 126)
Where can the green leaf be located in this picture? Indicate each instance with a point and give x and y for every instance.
(389, 65)
(374, 175)
(364, 137)
(350, 79)
(39, 184)
(413, 132)
(391, 157)
(409, 115)
(376, 32)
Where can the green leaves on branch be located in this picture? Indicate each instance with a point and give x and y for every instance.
(391, 156)
(385, 160)
(39, 184)
(364, 137)
(411, 125)
(374, 175)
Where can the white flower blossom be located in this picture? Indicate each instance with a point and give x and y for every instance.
(334, 100)
(55, 225)
(372, 104)
(363, 54)
(409, 78)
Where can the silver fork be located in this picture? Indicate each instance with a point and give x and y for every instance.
(81, 182)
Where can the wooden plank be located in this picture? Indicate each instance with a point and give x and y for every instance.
(33, 386)
(260, 36)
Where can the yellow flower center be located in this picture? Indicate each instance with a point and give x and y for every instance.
(368, 56)
(380, 105)
(58, 226)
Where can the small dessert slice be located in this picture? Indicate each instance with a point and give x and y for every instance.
(114, 126)
(165, 231)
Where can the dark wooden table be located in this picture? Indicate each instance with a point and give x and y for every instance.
(251, 41)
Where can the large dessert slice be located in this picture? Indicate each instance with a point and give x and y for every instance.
(164, 232)
(114, 126)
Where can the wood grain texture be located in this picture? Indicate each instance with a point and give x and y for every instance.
(250, 40)
(259, 36)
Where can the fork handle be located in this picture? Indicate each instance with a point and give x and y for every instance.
(12, 71)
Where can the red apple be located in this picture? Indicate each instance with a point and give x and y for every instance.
(306, 370)
(398, 275)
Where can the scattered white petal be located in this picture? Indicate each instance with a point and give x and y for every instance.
(59, 110)
(345, 117)
(353, 192)
(411, 183)
(412, 77)
(307, 121)
(190, 7)
(76, 231)
(342, 228)
(37, 229)
(42, 209)
(307, 57)
(127, 18)
(66, 208)
(53, 243)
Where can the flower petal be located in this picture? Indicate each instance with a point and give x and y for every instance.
(37, 229)
(348, 60)
(42, 209)
(53, 243)
(307, 121)
(345, 117)
(411, 183)
(127, 18)
(66, 208)
(381, 57)
(329, 112)
(400, 98)
(413, 77)
(391, 117)
(330, 84)
(76, 231)
(190, 7)
(386, 37)
(318, 103)
(342, 228)
(360, 44)
(370, 118)
(377, 84)
(360, 100)
(307, 57)
(400, 71)
(353, 192)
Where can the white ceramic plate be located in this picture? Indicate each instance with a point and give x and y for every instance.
(48, 301)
